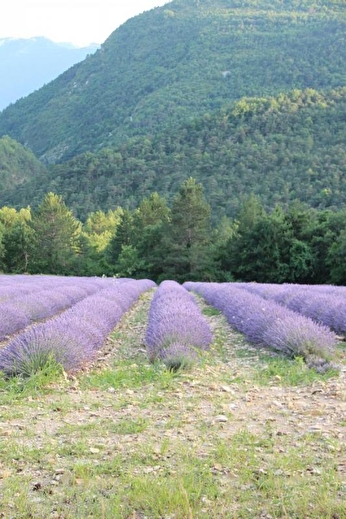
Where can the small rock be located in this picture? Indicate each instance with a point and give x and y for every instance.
(221, 418)
(227, 389)
(94, 450)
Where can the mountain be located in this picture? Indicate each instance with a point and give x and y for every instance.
(27, 64)
(175, 63)
(18, 165)
(283, 148)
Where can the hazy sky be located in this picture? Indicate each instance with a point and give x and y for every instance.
(76, 21)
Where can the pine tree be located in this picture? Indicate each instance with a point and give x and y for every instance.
(57, 237)
(188, 234)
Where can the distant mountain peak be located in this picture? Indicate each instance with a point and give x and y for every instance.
(26, 64)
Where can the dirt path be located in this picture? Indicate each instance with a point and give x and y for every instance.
(257, 447)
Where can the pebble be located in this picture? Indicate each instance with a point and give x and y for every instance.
(227, 389)
(221, 418)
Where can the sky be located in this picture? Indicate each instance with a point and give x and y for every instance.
(76, 21)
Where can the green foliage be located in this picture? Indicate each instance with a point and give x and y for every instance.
(336, 259)
(289, 372)
(291, 147)
(294, 244)
(128, 262)
(18, 239)
(122, 237)
(2, 246)
(187, 236)
(179, 62)
(35, 377)
(56, 238)
(100, 227)
(271, 248)
(152, 211)
(17, 164)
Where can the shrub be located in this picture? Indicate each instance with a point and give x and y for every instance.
(270, 324)
(176, 326)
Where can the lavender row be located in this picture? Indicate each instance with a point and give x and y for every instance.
(20, 311)
(266, 323)
(21, 285)
(73, 337)
(176, 326)
(323, 305)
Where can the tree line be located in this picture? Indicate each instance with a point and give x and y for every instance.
(295, 244)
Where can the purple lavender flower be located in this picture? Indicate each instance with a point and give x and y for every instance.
(324, 304)
(268, 323)
(11, 320)
(175, 324)
(73, 337)
(177, 355)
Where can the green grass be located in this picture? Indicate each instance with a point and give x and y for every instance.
(38, 383)
(129, 375)
(289, 372)
(210, 311)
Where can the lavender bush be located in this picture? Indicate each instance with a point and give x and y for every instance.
(73, 337)
(325, 305)
(176, 326)
(270, 324)
(11, 320)
(41, 297)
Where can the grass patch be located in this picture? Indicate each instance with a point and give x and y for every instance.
(289, 372)
(37, 383)
(129, 375)
(210, 311)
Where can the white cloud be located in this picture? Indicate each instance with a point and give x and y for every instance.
(77, 21)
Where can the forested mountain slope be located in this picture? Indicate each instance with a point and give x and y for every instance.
(172, 64)
(17, 164)
(27, 64)
(281, 148)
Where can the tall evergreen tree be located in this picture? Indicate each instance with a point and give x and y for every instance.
(151, 211)
(57, 237)
(188, 234)
(123, 236)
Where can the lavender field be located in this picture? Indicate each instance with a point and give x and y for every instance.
(69, 319)
(80, 314)
(123, 399)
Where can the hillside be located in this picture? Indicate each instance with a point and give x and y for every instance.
(28, 64)
(178, 62)
(282, 148)
(17, 164)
